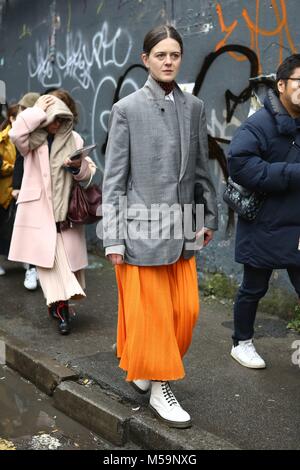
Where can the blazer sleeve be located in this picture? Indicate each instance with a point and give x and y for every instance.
(115, 178)
(205, 192)
(27, 121)
(248, 168)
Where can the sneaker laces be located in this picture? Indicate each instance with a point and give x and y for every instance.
(168, 394)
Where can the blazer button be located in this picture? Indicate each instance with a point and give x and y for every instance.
(45, 175)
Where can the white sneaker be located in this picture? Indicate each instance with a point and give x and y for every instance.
(164, 404)
(245, 353)
(141, 386)
(30, 281)
(2, 271)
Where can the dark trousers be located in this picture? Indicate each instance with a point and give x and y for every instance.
(254, 286)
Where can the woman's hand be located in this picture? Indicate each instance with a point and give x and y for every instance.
(115, 259)
(44, 102)
(208, 236)
(72, 163)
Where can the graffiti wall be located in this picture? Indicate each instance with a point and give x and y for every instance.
(92, 48)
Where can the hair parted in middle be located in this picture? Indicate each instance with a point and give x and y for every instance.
(155, 35)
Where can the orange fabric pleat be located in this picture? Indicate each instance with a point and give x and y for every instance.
(158, 309)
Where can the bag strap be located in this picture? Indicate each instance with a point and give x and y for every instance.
(92, 175)
(90, 180)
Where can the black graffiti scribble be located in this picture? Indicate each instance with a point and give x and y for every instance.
(215, 150)
(229, 96)
(122, 79)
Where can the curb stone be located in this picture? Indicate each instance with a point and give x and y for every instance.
(147, 430)
(102, 411)
(95, 410)
(46, 373)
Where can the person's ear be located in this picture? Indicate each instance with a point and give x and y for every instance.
(281, 86)
(145, 59)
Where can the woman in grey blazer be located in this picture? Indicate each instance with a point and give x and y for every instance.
(156, 170)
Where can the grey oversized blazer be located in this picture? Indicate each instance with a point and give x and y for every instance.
(137, 165)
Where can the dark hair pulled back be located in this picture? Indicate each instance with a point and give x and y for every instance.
(155, 35)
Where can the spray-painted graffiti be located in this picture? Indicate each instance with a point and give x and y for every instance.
(229, 96)
(81, 63)
(79, 60)
(217, 129)
(256, 31)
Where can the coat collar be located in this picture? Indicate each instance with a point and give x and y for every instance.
(156, 93)
(285, 123)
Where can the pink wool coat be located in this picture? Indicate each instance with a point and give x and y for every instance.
(34, 235)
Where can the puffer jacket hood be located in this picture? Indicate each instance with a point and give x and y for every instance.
(286, 125)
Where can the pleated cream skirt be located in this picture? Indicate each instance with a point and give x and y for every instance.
(60, 283)
(158, 310)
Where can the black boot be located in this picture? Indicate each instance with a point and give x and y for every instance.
(52, 310)
(64, 317)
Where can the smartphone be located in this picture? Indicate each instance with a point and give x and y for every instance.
(76, 157)
(83, 152)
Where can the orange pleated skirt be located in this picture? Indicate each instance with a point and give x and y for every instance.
(158, 309)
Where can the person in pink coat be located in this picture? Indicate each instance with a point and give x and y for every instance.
(42, 236)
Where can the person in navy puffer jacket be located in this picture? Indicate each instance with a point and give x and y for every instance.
(264, 156)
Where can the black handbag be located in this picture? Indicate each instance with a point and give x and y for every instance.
(244, 202)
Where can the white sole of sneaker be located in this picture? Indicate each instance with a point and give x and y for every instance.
(246, 365)
(171, 424)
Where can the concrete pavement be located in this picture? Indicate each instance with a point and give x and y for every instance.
(232, 407)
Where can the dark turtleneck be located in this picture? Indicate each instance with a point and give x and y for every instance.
(166, 86)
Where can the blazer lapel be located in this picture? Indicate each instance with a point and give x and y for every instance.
(155, 93)
(153, 90)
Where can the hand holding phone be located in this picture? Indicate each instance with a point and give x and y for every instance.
(83, 152)
(76, 157)
(74, 160)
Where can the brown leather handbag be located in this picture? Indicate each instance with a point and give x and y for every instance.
(84, 204)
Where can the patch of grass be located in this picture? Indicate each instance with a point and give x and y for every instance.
(294, 324)
(219, 285)
(277, 302)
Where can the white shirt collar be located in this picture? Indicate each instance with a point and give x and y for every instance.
(170, 97)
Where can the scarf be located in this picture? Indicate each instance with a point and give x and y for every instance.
(166, 86)
(63, 145)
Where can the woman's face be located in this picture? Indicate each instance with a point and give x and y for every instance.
(164, 60)
(54, 126)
